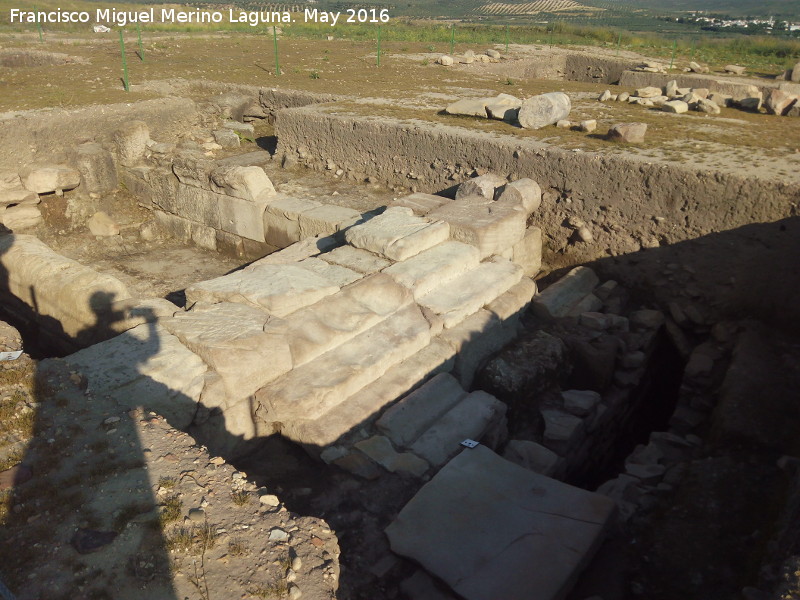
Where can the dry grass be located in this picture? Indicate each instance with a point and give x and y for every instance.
(171, 509)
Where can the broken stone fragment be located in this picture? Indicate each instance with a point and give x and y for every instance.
(707, 106)
(531, 456)
(101, 224)
(469, 107)
(543, 110)
(21, 217)
(558, 299)
(445, 60)
(226, 138)
(605, 96)
(525, 192)
(735, 69)
(45, 179)
(588, 126)
(778, 102)
(647, 92)
(675, 106)
(483, 186)
(629, 133)
(131, 140)
(96, 167)
(697, 68)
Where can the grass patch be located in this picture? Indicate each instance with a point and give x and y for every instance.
(276, 589)
(171, 509)
(191, 539)
(237, 547)
(241, 498)
(167, 483)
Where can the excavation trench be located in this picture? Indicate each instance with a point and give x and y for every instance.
(630, 356)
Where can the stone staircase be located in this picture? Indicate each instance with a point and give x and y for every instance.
(315, 345)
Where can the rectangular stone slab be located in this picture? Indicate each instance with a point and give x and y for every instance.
(469, 418)
(455, 300)
(397, 234)
(492, 227)
(278, 289)
(145, 366)
(310, 391)
(356, 259)
(338, 318)
(493, 530)
(433, 267)
(231, 338)
(421, 203)
(410, 417)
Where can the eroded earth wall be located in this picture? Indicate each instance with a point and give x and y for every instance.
(736, 231)
(28, 135)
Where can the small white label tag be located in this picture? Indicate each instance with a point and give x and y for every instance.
(469, 443)
(10, 355)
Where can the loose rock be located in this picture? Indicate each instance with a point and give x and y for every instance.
(629, 133)
(545, 109)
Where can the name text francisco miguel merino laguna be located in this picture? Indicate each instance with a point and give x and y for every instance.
(172, 15)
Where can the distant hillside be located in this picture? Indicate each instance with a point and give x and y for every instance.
(732, 7)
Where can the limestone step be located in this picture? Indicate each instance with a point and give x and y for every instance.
(338, 318)
(278, 289)
(404, 422)
(434, 267)
(470, 418)
(233, 340)
(315, 388)
(366, 404)
(398, 234)
(464, 295)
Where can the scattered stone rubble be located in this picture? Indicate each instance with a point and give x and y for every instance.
(674, 99)
(469, 57)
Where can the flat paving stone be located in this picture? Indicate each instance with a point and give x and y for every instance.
(493, 530)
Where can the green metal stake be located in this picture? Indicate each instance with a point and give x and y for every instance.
(141, 49)
(452, 37)
(124, 63)
(275, 39)
(506, 39)
(379, 45)
(619, 43)
(551, 38)
(692, 50)
(672, 60)
(38, 26)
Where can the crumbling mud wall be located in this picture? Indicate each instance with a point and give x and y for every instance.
(576, 67)
(593, 69)
(659, 213)
(28, 135)
(432, 157)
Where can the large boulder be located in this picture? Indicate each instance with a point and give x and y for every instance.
(779, 102)
(543, 110)
(795, 73)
